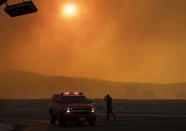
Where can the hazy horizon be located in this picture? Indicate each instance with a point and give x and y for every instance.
(53, 75)
(21, 84)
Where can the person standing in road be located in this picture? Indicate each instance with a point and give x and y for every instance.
(108, 100)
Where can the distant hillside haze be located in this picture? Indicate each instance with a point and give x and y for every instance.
(26, 85)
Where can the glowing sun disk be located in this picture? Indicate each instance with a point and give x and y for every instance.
(69, 10)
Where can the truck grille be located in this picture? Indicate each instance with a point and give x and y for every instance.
(80, 110)
(80, 113)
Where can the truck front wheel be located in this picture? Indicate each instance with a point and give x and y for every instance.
(62, 122)
(52, 117)
(91, 122)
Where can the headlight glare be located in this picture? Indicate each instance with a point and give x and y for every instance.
(68, 110)
(93, 110)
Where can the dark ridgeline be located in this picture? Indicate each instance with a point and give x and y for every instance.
(20, 84)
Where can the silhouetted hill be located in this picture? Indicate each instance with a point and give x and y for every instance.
(20, 84)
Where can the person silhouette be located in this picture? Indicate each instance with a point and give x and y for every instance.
(108, 100)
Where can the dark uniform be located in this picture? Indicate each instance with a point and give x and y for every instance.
(108, 100)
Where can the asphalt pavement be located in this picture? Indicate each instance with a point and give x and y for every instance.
(39, 121)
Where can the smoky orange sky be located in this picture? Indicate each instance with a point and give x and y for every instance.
(118, 40)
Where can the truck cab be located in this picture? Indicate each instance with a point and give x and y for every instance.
(73, 106)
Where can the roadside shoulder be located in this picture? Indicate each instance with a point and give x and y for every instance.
(6, 126)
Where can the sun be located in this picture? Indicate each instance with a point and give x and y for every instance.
(69, 10)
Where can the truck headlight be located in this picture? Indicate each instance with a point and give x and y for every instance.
(93, 110)
(68, 110)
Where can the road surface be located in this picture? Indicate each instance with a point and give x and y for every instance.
(39, 121)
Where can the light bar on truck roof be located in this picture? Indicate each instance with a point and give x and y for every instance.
(72, 94)
(76, 93)
(66, 93)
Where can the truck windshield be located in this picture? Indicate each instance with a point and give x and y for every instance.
(74, 99)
